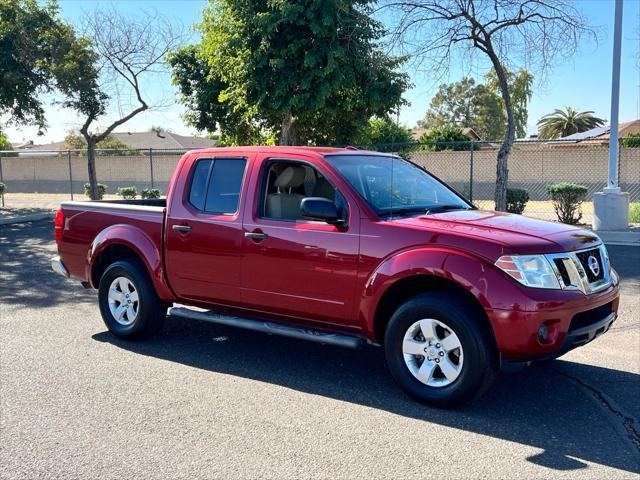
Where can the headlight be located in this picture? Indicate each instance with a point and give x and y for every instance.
(530, 270)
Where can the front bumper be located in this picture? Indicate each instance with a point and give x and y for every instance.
(58, 267)
(573, 339)
(573, 320)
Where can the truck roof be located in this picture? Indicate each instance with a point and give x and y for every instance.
(288, 149)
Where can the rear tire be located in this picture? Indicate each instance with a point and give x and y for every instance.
(438, 351)
(129, 304)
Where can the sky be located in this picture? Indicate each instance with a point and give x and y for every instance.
(583, 81)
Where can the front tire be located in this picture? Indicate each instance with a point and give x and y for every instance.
(438, 351)
(128, 301)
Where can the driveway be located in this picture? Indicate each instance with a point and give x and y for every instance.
(206, 401)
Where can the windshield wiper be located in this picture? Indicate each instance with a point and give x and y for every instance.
(423, 210)
(445, 208)
(403, 210)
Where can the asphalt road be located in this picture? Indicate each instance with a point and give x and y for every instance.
(204, 401)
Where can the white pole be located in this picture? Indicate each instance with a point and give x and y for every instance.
(612, 183)
(611, 206)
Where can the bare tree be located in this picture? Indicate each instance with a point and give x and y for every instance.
(129, 49)
(508, 32)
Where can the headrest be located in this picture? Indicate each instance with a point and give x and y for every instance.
(291, 177)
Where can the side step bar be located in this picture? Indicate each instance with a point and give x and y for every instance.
(319, 336)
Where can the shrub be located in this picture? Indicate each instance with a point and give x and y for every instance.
(631, 141)
(634, 212)
(128, 193)
(517, 200)
(149, 193)
(102, 189)
(2, 187)
(567, 201)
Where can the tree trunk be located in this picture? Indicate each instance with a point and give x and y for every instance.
(502, 170)
(288, 131)
(91, 165)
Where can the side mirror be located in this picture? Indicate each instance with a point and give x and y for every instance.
(320, 208)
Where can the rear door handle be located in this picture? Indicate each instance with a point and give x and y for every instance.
(256, 235)
(181, 228)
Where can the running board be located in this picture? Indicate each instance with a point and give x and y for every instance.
(319, 336)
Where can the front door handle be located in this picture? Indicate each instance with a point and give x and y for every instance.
(181, 228)
(256, 235)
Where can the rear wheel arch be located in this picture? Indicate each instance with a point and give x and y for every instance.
(111, 254)
(408, 287)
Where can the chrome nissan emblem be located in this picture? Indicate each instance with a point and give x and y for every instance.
(594, 266)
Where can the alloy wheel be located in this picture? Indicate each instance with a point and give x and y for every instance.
(433, 352)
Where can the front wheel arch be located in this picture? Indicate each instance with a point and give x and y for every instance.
(404, 289)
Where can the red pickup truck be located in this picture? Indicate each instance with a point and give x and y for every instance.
(344, 247)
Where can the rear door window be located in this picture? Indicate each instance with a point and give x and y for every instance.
(215, 185)
(198, 190)
(225, 182)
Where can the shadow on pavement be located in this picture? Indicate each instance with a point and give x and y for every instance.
(25, 272)
(537, 407)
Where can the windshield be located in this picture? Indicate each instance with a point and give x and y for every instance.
(393, 185)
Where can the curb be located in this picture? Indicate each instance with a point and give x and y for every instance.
(26, 218)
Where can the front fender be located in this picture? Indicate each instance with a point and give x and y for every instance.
(488, 285)
(137, 240)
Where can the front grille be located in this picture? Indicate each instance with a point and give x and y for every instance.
(584, 319)
(562, 270)
(586, 260)
(585, 270)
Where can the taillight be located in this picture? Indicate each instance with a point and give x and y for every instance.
(58, 226)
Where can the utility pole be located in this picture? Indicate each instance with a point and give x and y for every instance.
(612, 182)
(611, 206)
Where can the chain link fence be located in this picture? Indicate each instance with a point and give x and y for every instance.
(470, 168)
(45, 178)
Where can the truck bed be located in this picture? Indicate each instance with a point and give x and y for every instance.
(83, 221)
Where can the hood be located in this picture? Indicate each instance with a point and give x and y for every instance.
(515, 233)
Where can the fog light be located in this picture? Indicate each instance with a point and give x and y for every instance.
(543, 332)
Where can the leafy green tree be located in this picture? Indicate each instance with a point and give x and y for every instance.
(562, 123)
(520, 91)
(480, 106)
(310, 71)
(385, 135)
(445, 137)
(200, 89)
(41, 54)
(111, 146)
(74, 141)
(4, 142)
(455, 103)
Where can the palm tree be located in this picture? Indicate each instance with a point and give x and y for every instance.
(562, 123)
